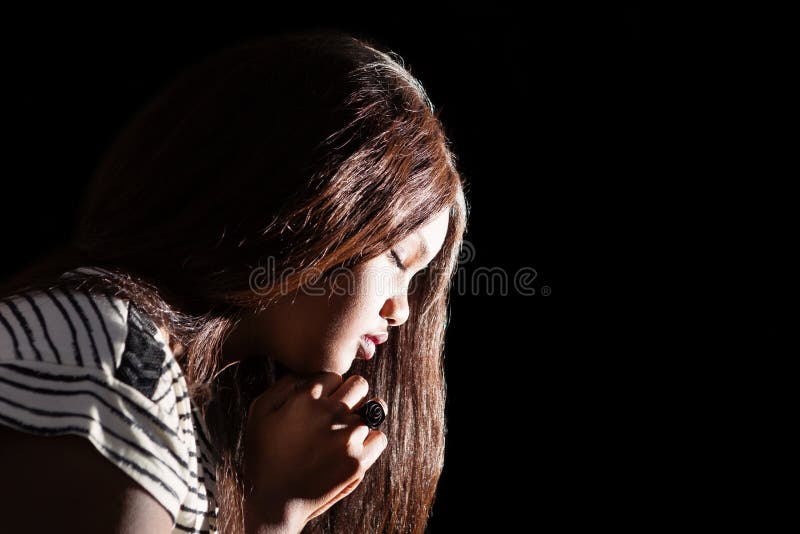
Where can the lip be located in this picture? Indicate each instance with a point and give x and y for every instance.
(378, 338)
(367, 344)
(366, 348)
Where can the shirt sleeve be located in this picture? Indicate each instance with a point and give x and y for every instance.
(94, 366)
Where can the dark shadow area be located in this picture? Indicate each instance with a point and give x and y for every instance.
(545, 357)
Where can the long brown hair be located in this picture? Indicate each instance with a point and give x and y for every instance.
(310, 150)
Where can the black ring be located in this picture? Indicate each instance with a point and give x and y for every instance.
(372, 414)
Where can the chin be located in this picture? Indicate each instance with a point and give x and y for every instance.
(342, 369)
(339, 366)
(344, 365)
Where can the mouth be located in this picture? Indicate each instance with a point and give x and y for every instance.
(368, 343)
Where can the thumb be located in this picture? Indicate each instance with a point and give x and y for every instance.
(337, 495)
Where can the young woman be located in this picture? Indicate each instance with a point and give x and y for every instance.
(266, 246)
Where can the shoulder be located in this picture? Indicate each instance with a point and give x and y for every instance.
(90, 329)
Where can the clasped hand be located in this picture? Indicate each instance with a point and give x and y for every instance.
(305, 449)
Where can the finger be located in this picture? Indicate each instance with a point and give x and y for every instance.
(356, 438)
(347, 419)
(374, 445)
(347, 490)
(321, 385)
(352, 391)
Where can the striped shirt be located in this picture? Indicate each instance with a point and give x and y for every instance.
(93, 365)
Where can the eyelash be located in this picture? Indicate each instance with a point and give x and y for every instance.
(393, 255)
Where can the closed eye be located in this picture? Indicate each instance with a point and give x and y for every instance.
(397, 260)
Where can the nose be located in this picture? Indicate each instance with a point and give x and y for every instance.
(395, 309)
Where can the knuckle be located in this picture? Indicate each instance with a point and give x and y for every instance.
(278, 404)
(297, 392)
(338, 410)
(298, 399)
(302, 387)
(353, 444)
(360, 382)
(352, 449)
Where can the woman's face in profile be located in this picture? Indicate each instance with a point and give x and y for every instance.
(326, 328)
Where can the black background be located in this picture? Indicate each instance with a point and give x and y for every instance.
(546, 114)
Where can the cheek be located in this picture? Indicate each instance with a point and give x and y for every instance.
(379, 283)
(348, 320)
(360, 309)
